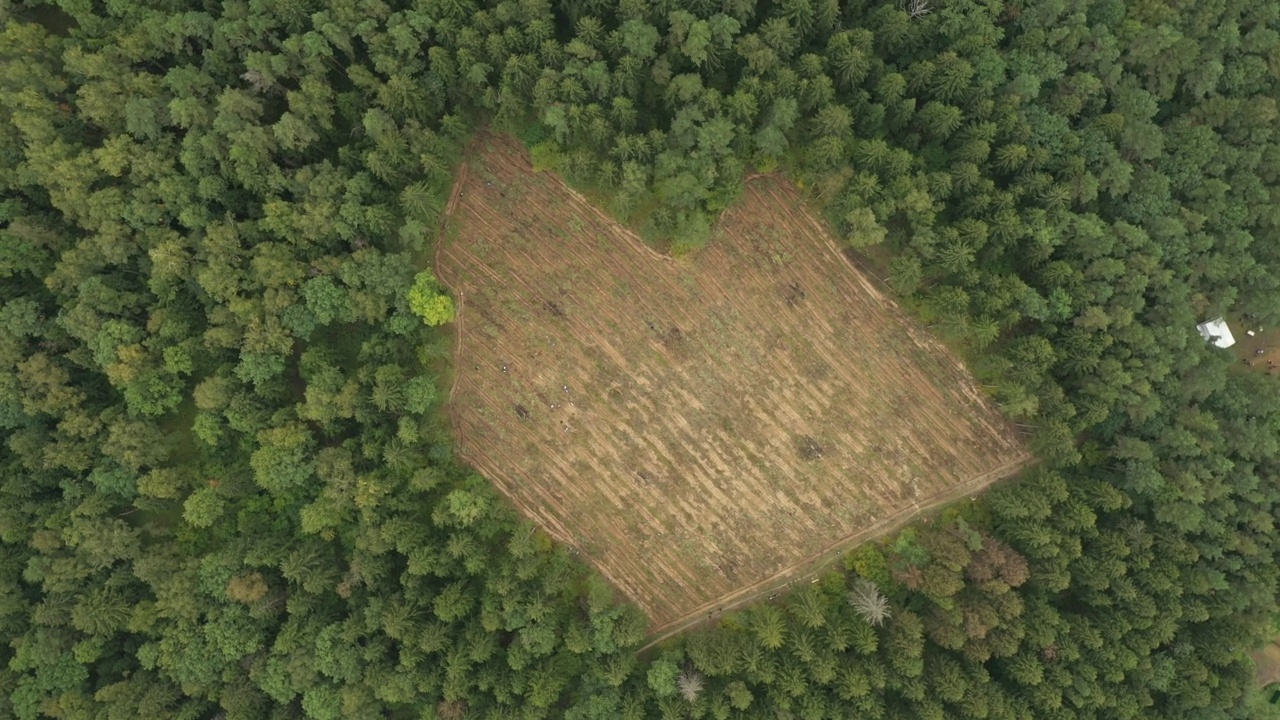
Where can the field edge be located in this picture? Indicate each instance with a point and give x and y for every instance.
(794, 573)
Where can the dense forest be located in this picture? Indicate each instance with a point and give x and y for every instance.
(226, 487)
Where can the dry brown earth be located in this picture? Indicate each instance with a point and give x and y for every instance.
(1266, 663)
(697, 428)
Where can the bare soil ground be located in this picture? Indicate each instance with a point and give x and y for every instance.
(698, 428)
(1266, 663)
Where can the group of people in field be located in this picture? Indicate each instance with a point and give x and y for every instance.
(1272, 366)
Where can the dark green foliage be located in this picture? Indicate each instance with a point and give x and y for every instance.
(225, 489)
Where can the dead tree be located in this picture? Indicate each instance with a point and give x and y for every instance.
(868, 602)
(915, 8)
(690, 684)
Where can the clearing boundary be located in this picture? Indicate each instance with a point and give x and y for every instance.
(712, 459)
(816, 564)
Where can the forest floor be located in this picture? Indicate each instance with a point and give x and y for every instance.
(701, 429)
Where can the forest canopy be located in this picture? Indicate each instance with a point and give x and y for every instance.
(226, 485)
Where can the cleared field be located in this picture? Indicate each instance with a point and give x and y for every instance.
(1266, 663)
(698, 427)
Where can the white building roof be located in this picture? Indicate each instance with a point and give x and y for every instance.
(1216, 332)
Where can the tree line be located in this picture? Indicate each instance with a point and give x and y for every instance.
(228, 488)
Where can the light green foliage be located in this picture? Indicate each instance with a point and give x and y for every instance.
(466, 506)
(739, 696)
(420, 394)
(869, 562)
(280, 464)
(324, 299)
(863, 230)
(428, 301)
(203, 507)
(260, 368)
(662, 676)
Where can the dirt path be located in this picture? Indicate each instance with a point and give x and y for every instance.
(813, 565)
(445, 218)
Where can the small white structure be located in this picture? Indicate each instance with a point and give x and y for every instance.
(1216, 332)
